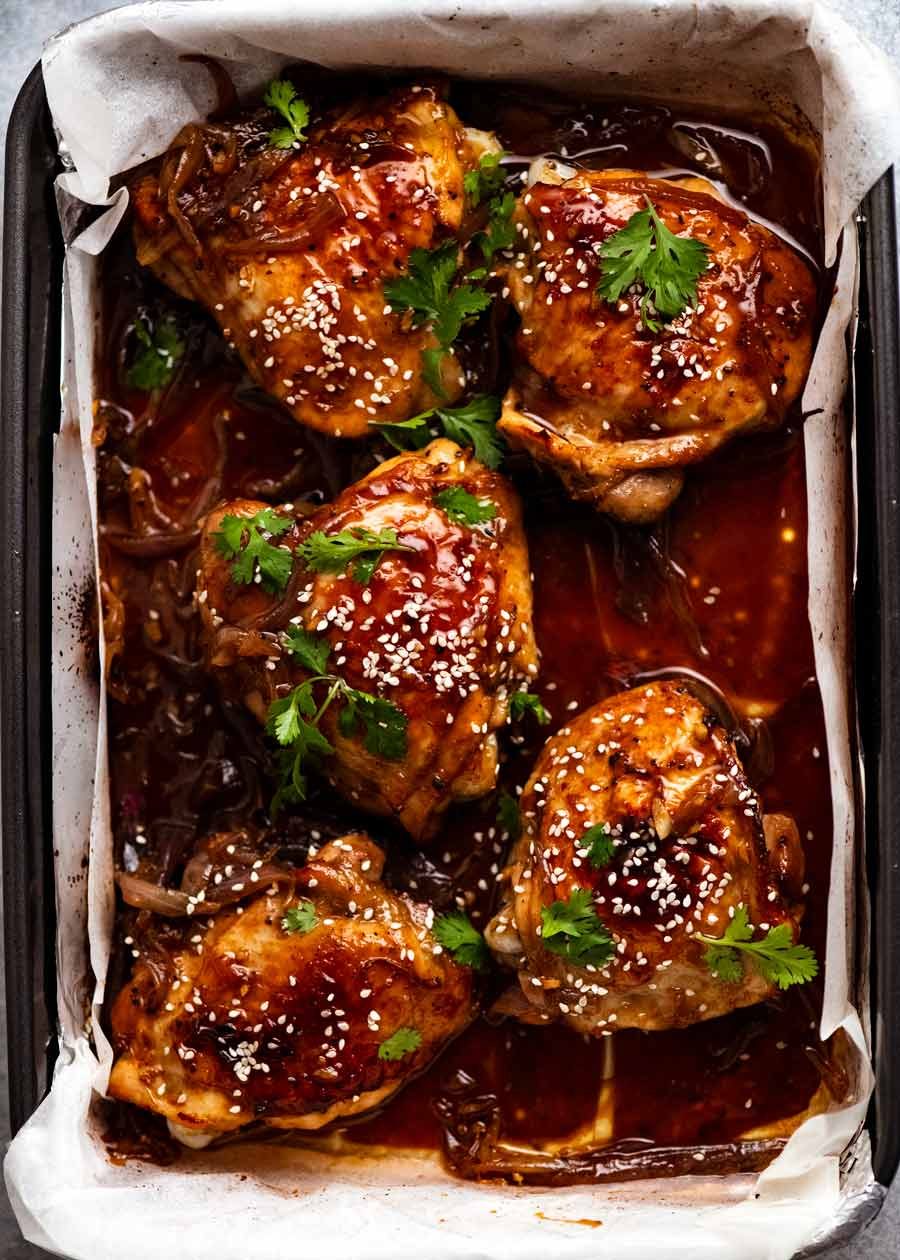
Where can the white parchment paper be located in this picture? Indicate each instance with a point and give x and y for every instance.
(118, 94)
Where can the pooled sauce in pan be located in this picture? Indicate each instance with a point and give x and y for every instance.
(716, 590)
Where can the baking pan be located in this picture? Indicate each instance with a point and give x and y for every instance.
(877, 629)
(29, 387)
(29, 382)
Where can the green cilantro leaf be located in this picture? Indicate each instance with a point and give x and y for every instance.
(401, 1043)
(432, 358)
(456, 933)
(599, 845)
(281, 96)
(293, 721)
(464, 302)
(363, 548)
(522, 702)
(301, 918)
(428, 290)
(425, 289)
(291, 788)
(500, 232)
(159, 349)
(508, 815)
(667, 266)
(406, 435)
(485, 180)
(725, 964)
(473, 424)
(464, 508)
(571, 928)
(285, 719)
(311, 650)
(383, 724)
(775, 956)
(245, 539)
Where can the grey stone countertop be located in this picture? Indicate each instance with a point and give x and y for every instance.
(24, 26)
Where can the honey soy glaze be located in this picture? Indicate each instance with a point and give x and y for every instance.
(718, 589)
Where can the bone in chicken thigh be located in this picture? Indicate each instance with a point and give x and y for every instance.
(617, 408)
(314, 1000)
(290, 249)
(442, 628)
(683, 845)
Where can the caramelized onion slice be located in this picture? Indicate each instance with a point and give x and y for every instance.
(149, 545)
(474, 1149)
(174, 903)
(143, 895)
(328, 211)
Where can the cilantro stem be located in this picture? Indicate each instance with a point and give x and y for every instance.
(336, 686)
(294, 720)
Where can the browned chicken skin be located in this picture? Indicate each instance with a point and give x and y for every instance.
(443, 630)
(616, 409)
(290, 250)
(237, 1020)
(660, 772)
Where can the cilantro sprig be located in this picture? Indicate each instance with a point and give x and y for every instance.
(457, 934)
(360, 548)
(473, 424)
(281, 96)
(775, 956)
(431, 292)
(294, 723)
(571, 928)
(401, 1043)
(428, 291)
(294, 720)
(666, 266)
(522, 702)
(485, 180)
(245, 539)
(159, 348)
(463, 508)
(299, 919)
(499, 232)
(598, 846)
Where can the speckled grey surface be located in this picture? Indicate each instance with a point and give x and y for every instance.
(24, 25)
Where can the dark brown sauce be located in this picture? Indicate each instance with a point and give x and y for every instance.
(719, 589)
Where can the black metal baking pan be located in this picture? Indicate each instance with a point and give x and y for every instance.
(29, 381)
(29, 389)
(877, 623)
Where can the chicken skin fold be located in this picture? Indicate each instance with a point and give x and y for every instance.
(290, 249)
(313, 1001)
(442, 629)
(615, 408)
(679, 843)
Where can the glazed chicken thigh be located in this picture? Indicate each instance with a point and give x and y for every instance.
(317, 998)
(290, 249)
(616, 408)
(640, 810)
(441, 628)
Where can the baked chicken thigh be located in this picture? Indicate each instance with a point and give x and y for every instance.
(639, 834)
(290, 248)
(437, 634)
(615, 407)
(315, 1000)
